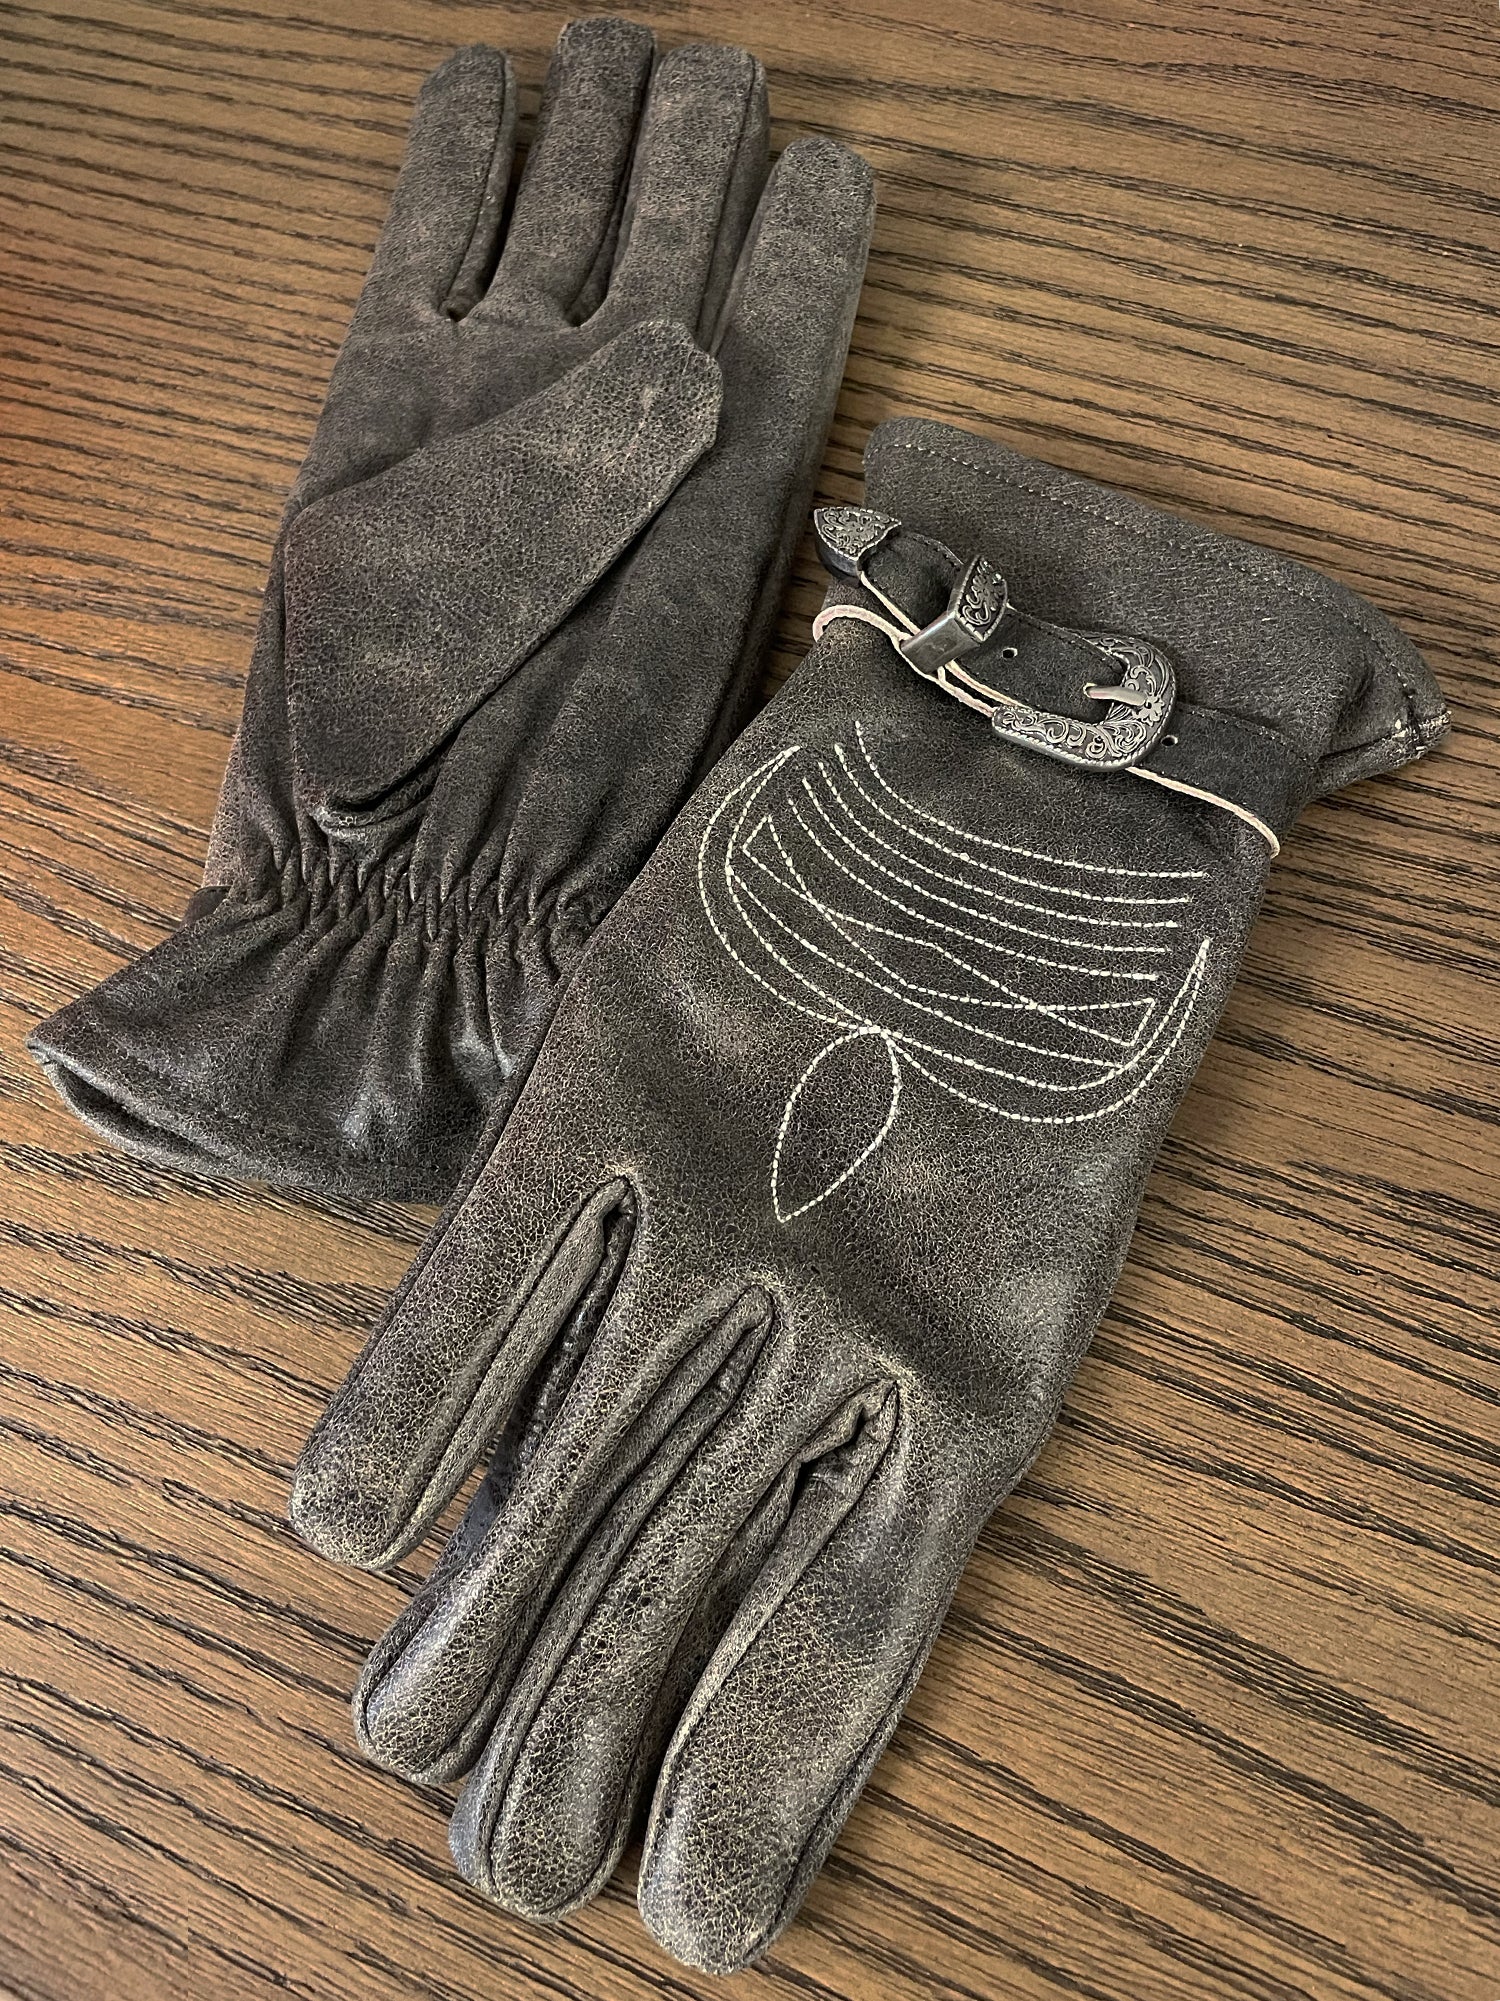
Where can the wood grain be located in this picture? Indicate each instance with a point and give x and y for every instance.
(1215, 1713)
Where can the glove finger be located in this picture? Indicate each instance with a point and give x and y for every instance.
(546, 1812)
(473, 1324)
(438, 241)
(634, 1416)
(699, 167)
(797, 1703)
(783, 333)
(781, 341)
(568, 205)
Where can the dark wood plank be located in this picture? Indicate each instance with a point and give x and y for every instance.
(1215, 1713)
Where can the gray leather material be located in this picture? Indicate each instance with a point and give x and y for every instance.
(768, 1288)
(519, 603)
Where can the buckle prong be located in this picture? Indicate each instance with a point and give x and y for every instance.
(1136, 697)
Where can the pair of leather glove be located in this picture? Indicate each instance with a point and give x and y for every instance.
(767, 1276)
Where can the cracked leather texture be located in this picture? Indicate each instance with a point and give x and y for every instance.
(770, 1285)
(519, 602)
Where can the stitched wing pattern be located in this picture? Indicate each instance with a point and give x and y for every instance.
(1033, 987)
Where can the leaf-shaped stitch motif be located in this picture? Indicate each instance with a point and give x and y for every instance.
(843, 1106)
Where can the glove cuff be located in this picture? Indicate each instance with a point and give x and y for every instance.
(1276, 650)
(315, 1035)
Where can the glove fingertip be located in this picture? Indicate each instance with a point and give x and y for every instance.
(823, 186)
(331, 1514)
(473, 65)
(444, 215)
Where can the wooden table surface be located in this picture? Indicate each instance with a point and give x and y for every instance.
(1215, 1712)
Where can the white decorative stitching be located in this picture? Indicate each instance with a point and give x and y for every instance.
(893, 992)
(1082, 945)
(785, 1215)
(1059, 916)
(1015, 1000)
(797, 896)
(1026, 854)
(909, 826)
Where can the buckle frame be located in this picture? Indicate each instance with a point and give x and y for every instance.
(1134, 723)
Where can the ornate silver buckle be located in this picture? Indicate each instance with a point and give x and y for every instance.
(1140, 696)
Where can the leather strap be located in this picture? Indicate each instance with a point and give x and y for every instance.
(1233, 762)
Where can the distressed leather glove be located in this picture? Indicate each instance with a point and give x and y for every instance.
(769, 1289)
(520, 596)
